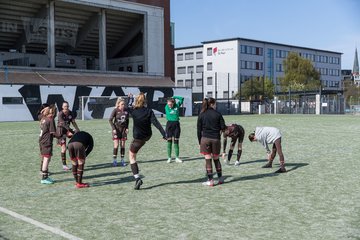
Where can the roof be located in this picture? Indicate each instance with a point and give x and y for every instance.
(266, 42)
(78, 78)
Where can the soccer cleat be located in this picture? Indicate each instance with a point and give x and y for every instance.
(268, 165)
(122, 163)
(281, 170)
(209, 183)
(221, 180)
(82, 185)
(66, 168)
(169, 160)
(237, 163)
(47, 181)
(178, 160)
(227, 162)
(114, 163)
(138, 183)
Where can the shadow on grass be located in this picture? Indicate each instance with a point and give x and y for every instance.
(244, 178)
(185, 159)
(254, 161)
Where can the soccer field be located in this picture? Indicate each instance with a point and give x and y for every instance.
(318, 198)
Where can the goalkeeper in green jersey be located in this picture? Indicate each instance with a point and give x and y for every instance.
(172, 110)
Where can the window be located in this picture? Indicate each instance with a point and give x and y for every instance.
(180, 83)
(189, 56)
(209, 94)
(279, 68)
(12, 100)
(209, 81)
(188, 83)
(225, 94)
(190, 69)
(199, 55)
(180, 57)
(209, 51)
(199, 68)
(181, 70)
(199, 82)
(209, 66)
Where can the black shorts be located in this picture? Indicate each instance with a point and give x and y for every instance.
(173, 129)
(136, 144)
(46, 151)
(210, 146)
(120, 134)
(76, 151)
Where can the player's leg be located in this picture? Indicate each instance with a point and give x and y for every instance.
(63, 154)
(122, 152)
(216, 147)
(176, 142)
(231, 150)
(135, 146)
(205, 149)
(115, 149)
(278, 146)
(80, 156)
(239, 152)
(74, 161)
(45, 170)
(169, 134)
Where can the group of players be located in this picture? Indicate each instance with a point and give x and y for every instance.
(210, 127)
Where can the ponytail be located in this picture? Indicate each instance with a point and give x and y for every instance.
(206, 103)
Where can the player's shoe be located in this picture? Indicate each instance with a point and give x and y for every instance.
(47, 181)
(178, 160)
(66, 168)
(138, 183)
(268, 165)
(114, 163)
(281, 170)
(221, 180)
(169, 160)
(82, 185)
(123, 163)
(237, 163)
(227, 162)
(209, 183)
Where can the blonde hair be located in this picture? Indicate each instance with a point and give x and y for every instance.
(140, 100)
(118, 101)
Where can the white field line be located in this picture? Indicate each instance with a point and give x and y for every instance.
(39, 224)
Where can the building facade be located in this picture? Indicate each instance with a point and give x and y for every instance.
(217, 68)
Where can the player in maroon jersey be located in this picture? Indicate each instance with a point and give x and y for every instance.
(65, 118)
(47, 133)
(119, 122)
(236, 132)
(80, 146)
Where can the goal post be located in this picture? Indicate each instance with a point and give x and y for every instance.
(97, 107)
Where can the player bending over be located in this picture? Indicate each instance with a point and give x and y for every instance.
(270, 135)
(80, 146)
(236, 133)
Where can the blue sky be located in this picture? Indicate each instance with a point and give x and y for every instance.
(332, 25)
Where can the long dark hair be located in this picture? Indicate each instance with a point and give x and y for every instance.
(206, 103)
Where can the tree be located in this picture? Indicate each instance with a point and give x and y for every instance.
(300, 74)
(256, 88)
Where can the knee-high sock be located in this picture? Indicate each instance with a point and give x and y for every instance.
(80, 171)
(115, 152)
(169, 148)
(75, 172)
(218, 167)
(135, 170)
(209, 170)
(122, 152)
(230, 154)
(238, 155)
(63, 158)
(45, 174)
(176, 147)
